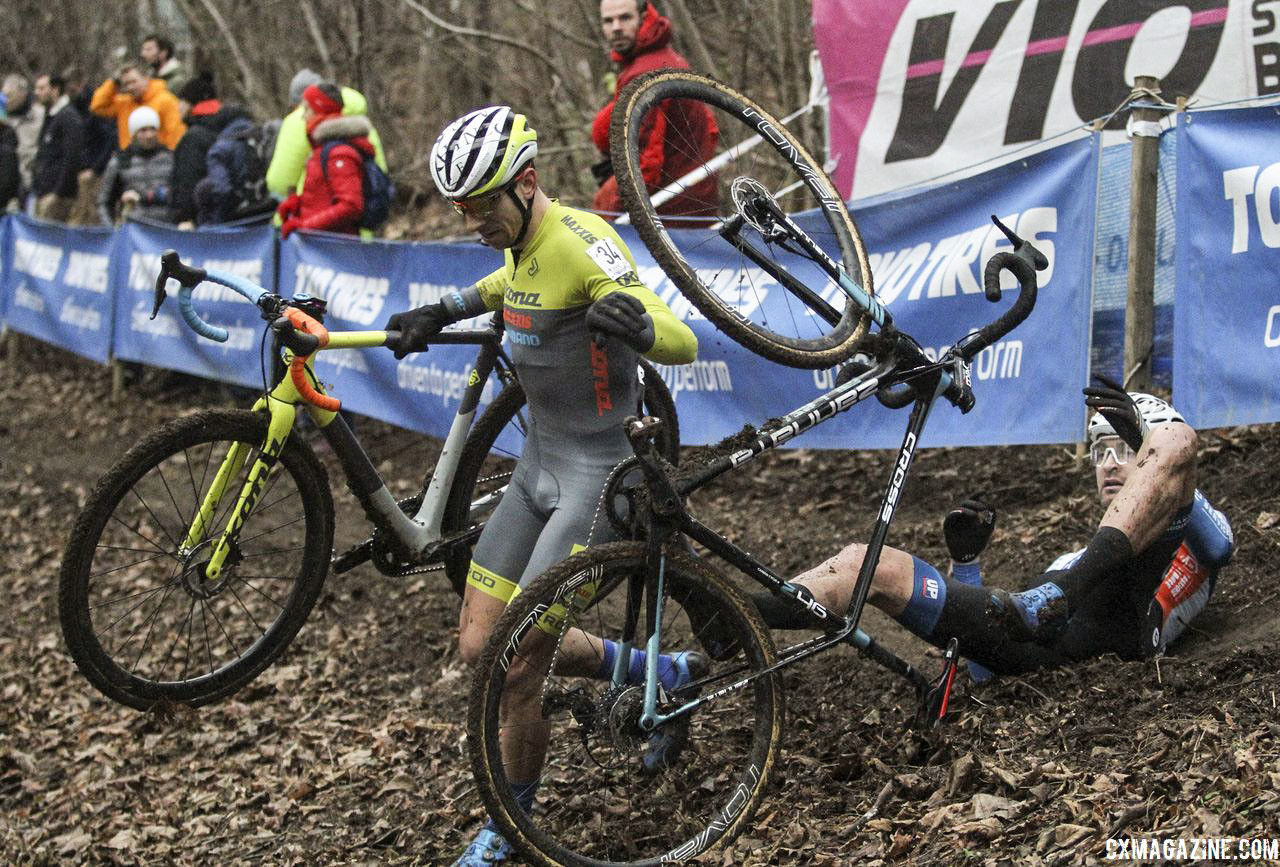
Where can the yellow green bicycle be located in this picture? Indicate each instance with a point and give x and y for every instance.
(200, 554)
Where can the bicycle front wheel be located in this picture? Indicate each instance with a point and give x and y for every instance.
(704, 227)
(485, 468)
(141, 620)
(543, 709)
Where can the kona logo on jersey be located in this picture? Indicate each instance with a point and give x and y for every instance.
(899, 475)
(523, 299)
(518, 320)
(600, 375)
(577, 229)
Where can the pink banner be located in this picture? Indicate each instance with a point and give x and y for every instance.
(920, 88)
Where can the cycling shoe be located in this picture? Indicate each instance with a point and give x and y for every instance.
(668, 742)
(489, 847)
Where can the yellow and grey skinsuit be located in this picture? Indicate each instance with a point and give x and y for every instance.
(578, 393)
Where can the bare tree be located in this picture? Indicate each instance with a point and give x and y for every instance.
(422, 62)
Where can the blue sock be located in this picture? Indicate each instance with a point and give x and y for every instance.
(669, 674)
(971, 573)
(927, 599)
(524, 793)
(967, 573)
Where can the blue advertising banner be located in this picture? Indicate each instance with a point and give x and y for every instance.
(167, 341)
(927, 250)
(364, 283)
(927, 254)
(58, 281)
(1227, 315)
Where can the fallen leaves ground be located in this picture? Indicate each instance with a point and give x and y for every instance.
(351, 750)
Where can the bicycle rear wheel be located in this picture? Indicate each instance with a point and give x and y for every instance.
(480, 479)
(597, 801)
(749, 282)
(139, 618)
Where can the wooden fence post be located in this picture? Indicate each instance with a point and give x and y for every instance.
(1144, 130)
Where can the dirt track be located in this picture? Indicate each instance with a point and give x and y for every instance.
(352, 749)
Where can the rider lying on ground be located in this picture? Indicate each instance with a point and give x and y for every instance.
(1149, 568)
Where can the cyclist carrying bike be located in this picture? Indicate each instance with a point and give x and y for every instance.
(1148, 569)
(567, 278)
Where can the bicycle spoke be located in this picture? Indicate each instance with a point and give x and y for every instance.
(144, 538)
(115, 599)
(131, 565)
(256, 624)
(269, 532)
(186, 651)
(151, 622)
(223, 629)
(190, 609)
(261, 593)
(154, 517)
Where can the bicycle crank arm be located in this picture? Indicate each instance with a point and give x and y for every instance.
(352, 557)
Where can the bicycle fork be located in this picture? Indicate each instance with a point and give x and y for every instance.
(283, 410)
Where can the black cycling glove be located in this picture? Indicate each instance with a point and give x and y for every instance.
(417, 327)
(622, 316)
(1118, 409)
(967, 529)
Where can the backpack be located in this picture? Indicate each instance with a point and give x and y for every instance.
(255, 144)
(375, 185)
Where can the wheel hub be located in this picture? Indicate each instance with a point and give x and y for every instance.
(195, 570)
(623, 707)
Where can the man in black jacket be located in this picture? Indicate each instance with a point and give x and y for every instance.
(54, 174)
(206, 117)
(10, 182)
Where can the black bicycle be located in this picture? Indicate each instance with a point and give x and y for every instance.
(539, 714)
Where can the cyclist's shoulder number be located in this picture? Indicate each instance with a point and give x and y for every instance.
(606, 253)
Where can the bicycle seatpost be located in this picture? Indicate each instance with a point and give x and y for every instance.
(641, 432)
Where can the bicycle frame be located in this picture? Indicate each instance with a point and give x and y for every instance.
(838, 627)
(906, 373)
(414, 534)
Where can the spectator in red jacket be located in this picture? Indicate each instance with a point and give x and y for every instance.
(677, 136)
(332, 195)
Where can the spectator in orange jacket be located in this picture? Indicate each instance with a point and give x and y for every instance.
(131, 88)
(677, 136)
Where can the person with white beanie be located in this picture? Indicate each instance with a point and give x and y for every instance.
(137, 179)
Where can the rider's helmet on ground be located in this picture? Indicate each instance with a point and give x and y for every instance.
(1153, 409)
(481, 152)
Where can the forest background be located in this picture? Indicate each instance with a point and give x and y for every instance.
(421, 63)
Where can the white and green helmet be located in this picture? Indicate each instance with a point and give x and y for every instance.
(1154, 411)
(482, 151)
